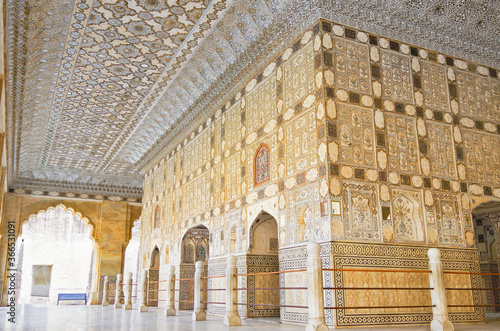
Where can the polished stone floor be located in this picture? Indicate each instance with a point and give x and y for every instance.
(66, 318)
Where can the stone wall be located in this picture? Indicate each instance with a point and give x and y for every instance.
(344, 137)
(112, 222)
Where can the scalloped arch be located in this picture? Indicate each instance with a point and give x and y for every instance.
(65, 209)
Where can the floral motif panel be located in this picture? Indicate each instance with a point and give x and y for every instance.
(407, 216)
(262, 165)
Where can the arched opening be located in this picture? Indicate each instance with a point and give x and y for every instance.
(194, 248)
(486, 218)
(57, 254)
(263, 257)
(154, 276)
(132, 253)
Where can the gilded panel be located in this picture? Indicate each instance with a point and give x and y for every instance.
(402, 147)
(441, 151)
(435, 86)
(296, 297)
(396, 76)
(233, 121)
(478, 97)
(449, 218)
(407, 215)
(301, 142)
(361, 212)
(261, 104)
(352, 65)
(357, 144)
(347, 255)
(299, 75)
(232, 179)
(482, 157)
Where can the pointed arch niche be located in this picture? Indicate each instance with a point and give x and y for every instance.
(195, 244)
(57, 254)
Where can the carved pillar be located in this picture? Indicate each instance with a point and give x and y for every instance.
(440, 321)
(105, 289)
(170, 310)
(231, 318)
(118, 291)
(198, 311)
(143, 291)
(128, 292)
(315, 289)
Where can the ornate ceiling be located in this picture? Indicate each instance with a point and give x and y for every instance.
(98, 88)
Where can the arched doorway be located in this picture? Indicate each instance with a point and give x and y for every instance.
(57, 255)
(154, 276)
(262, 256)
(194, 248)
(486, 217)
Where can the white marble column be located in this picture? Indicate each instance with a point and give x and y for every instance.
(315, 289)
(440, 321)
(144, 291)
(118, 291)
(128, 292)
(199, 313)
(105, 289)
(170, 310)
(231, 318)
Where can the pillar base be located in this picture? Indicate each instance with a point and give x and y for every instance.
(105, 303)
(170, 312)
(118, 305)
(232, 320)
(199, 315)
(143, 308)
(319, 327)
(127, 307)
(441, 326)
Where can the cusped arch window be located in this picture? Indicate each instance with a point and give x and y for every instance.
(262, 165)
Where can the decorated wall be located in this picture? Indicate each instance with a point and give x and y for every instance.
(347, 137)
(111, 223)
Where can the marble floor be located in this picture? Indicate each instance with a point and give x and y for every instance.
(65, 318)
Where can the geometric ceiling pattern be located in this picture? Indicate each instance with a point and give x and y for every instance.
(97, 88)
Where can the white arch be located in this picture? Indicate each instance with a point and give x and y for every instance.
(60, 238)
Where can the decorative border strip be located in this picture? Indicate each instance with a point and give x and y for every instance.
(55, 194)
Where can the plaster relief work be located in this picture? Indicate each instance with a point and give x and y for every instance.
(434, 86)
(360, 203)
(356, 135)
(261, 105)
(301, 145)
(402, 144)
(440, 150)
(408, 219)
(482, 157)
(352, 65)
(396, 76)
(299, 76)
(449, 218)
(478, 97)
